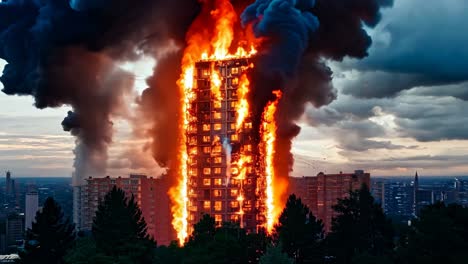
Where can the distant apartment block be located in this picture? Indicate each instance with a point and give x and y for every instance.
(321, 192)
(149, 193)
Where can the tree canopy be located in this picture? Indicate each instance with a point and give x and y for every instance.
(299, 232)
(50, 236)
(360, 231)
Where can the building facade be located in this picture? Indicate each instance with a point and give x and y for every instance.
(223, 168)
(321, 192)
(31, 208)
(148, 193)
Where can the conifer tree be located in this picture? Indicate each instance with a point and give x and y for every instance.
(299, 232)
(120, 230)
(49, 237)
(361, 232)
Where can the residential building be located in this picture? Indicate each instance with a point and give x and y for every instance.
(321, 192)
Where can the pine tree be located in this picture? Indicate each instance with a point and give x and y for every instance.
(49, 237)
(274, 255)
(299, 232)
(439, 235)
(361, 232)
(120, 231)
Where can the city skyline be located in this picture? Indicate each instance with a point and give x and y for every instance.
(393, 114)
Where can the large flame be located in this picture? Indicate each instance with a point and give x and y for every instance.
(212, 37)
(268, 132)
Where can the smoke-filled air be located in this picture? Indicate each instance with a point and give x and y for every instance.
(67, 53)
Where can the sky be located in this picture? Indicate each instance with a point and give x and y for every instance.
(400, 110)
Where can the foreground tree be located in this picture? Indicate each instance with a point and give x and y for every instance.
(209, 244)
(49, 237)
(299, 232)
(439, 235)
(120, 231)
(85, 252)
(275, 255)
(361, 233)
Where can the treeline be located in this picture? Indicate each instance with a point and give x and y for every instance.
(361, 233)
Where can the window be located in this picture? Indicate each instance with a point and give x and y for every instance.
(206, 182)
(234, 192)
(206, 205)
(218, 160)
(217, 126)
(233, 104)
(249, 169)
(217, 115)
(207, 150)
(235, 70)
(206, 139)
(207, 171)
(234, 218)
(217, 104)
(217, 149)
(193, 140)
(218, 206)
(206, 72)
(235, 81)
(218, 219)
(206, 127)
(193, 151)
(232, 126)
(234, 171)
(218, 181)
(248, 125)
(234, 181)
(234, 137)
(193, 172)
(217, 170)
(217, 193)
(248, 147)
(234, 204)
(192, 129)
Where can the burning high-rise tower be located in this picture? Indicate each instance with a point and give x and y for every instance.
(223, 173)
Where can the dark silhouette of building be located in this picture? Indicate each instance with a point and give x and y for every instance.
(8, 183)
(415, 194)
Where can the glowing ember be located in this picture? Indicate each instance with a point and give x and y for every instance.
(268, 131)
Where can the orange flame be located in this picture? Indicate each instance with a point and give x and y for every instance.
(268, 131)
(205, 45)
(243, 105)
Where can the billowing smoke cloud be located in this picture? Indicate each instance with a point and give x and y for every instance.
(65, 53)
(299, 35)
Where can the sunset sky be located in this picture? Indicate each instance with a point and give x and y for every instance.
(402, 109)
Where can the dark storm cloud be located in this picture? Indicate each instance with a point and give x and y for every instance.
(419, 43)
(459, 91)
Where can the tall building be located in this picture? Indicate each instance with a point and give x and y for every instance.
(415, 194)
(217, 184)
(148, 193)
(14, 229)
(399, 197)
(321, 192)
(8, 183)
(31, 208)
(378, 191)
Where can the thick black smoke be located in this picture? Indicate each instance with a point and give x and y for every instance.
(299, 36)
(65, 53)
